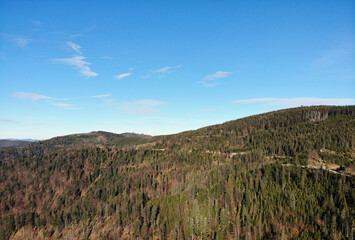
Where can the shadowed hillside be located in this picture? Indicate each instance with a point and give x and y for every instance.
(287, 174)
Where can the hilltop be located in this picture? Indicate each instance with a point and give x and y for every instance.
(283, 174)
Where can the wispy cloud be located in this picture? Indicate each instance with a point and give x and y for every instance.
(37, 23)
(75, 47)
(102, 96)
(209, 80)
(217, 75)
(146, 76)
(144, 106)
(79, 63)
(336, 63)
(294, 102)
(204, 110)
(161, 72)
(166, 69)
(106, 57)
(340, 55)
(9, 121)
(65, 105)
(35, 97)
(76, 35)
(123, 75)
(207, 84)
(148, 102)
(32, 96)
(21, 41)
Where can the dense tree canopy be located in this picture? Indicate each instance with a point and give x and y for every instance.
(279, 175)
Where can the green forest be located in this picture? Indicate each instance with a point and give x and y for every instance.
(287, 174)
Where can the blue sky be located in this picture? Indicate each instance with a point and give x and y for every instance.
(161, 67)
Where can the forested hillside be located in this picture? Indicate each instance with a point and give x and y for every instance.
(287, 174)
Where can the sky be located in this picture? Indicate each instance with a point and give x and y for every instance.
(162, 67)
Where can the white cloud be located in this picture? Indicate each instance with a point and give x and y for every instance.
(102, 96)
(76, 35)
(256, 100)
(204, 110)
(62, 104)
(32, 96)
(21, 41)
(143, 106)
(106, 57)
(208, 84)
(75, 47)
(217, 75)
(146, 76)
(138, 110)
(80, 64)
(337, 56)
(65, 105)
(123, 75)
(166, 69)
(148, 102)
(10, 121)
(161, 72)
(78, 61)
(294, 102)
(211, 77)
(36, 22)
(321, 62)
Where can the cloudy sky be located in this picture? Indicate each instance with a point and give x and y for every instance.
(160, 67)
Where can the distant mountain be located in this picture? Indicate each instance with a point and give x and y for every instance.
(287, 174)
(97, 138)
(12, 143)
(26, 139)
(74, 141)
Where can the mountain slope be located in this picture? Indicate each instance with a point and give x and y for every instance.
(259, 177)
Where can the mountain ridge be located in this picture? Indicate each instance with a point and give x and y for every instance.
(12, 143)
(315, 113)
(222, 181)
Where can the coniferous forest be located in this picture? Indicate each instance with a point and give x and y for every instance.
(287, 174)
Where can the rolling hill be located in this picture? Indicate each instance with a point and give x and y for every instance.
(287, 174)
